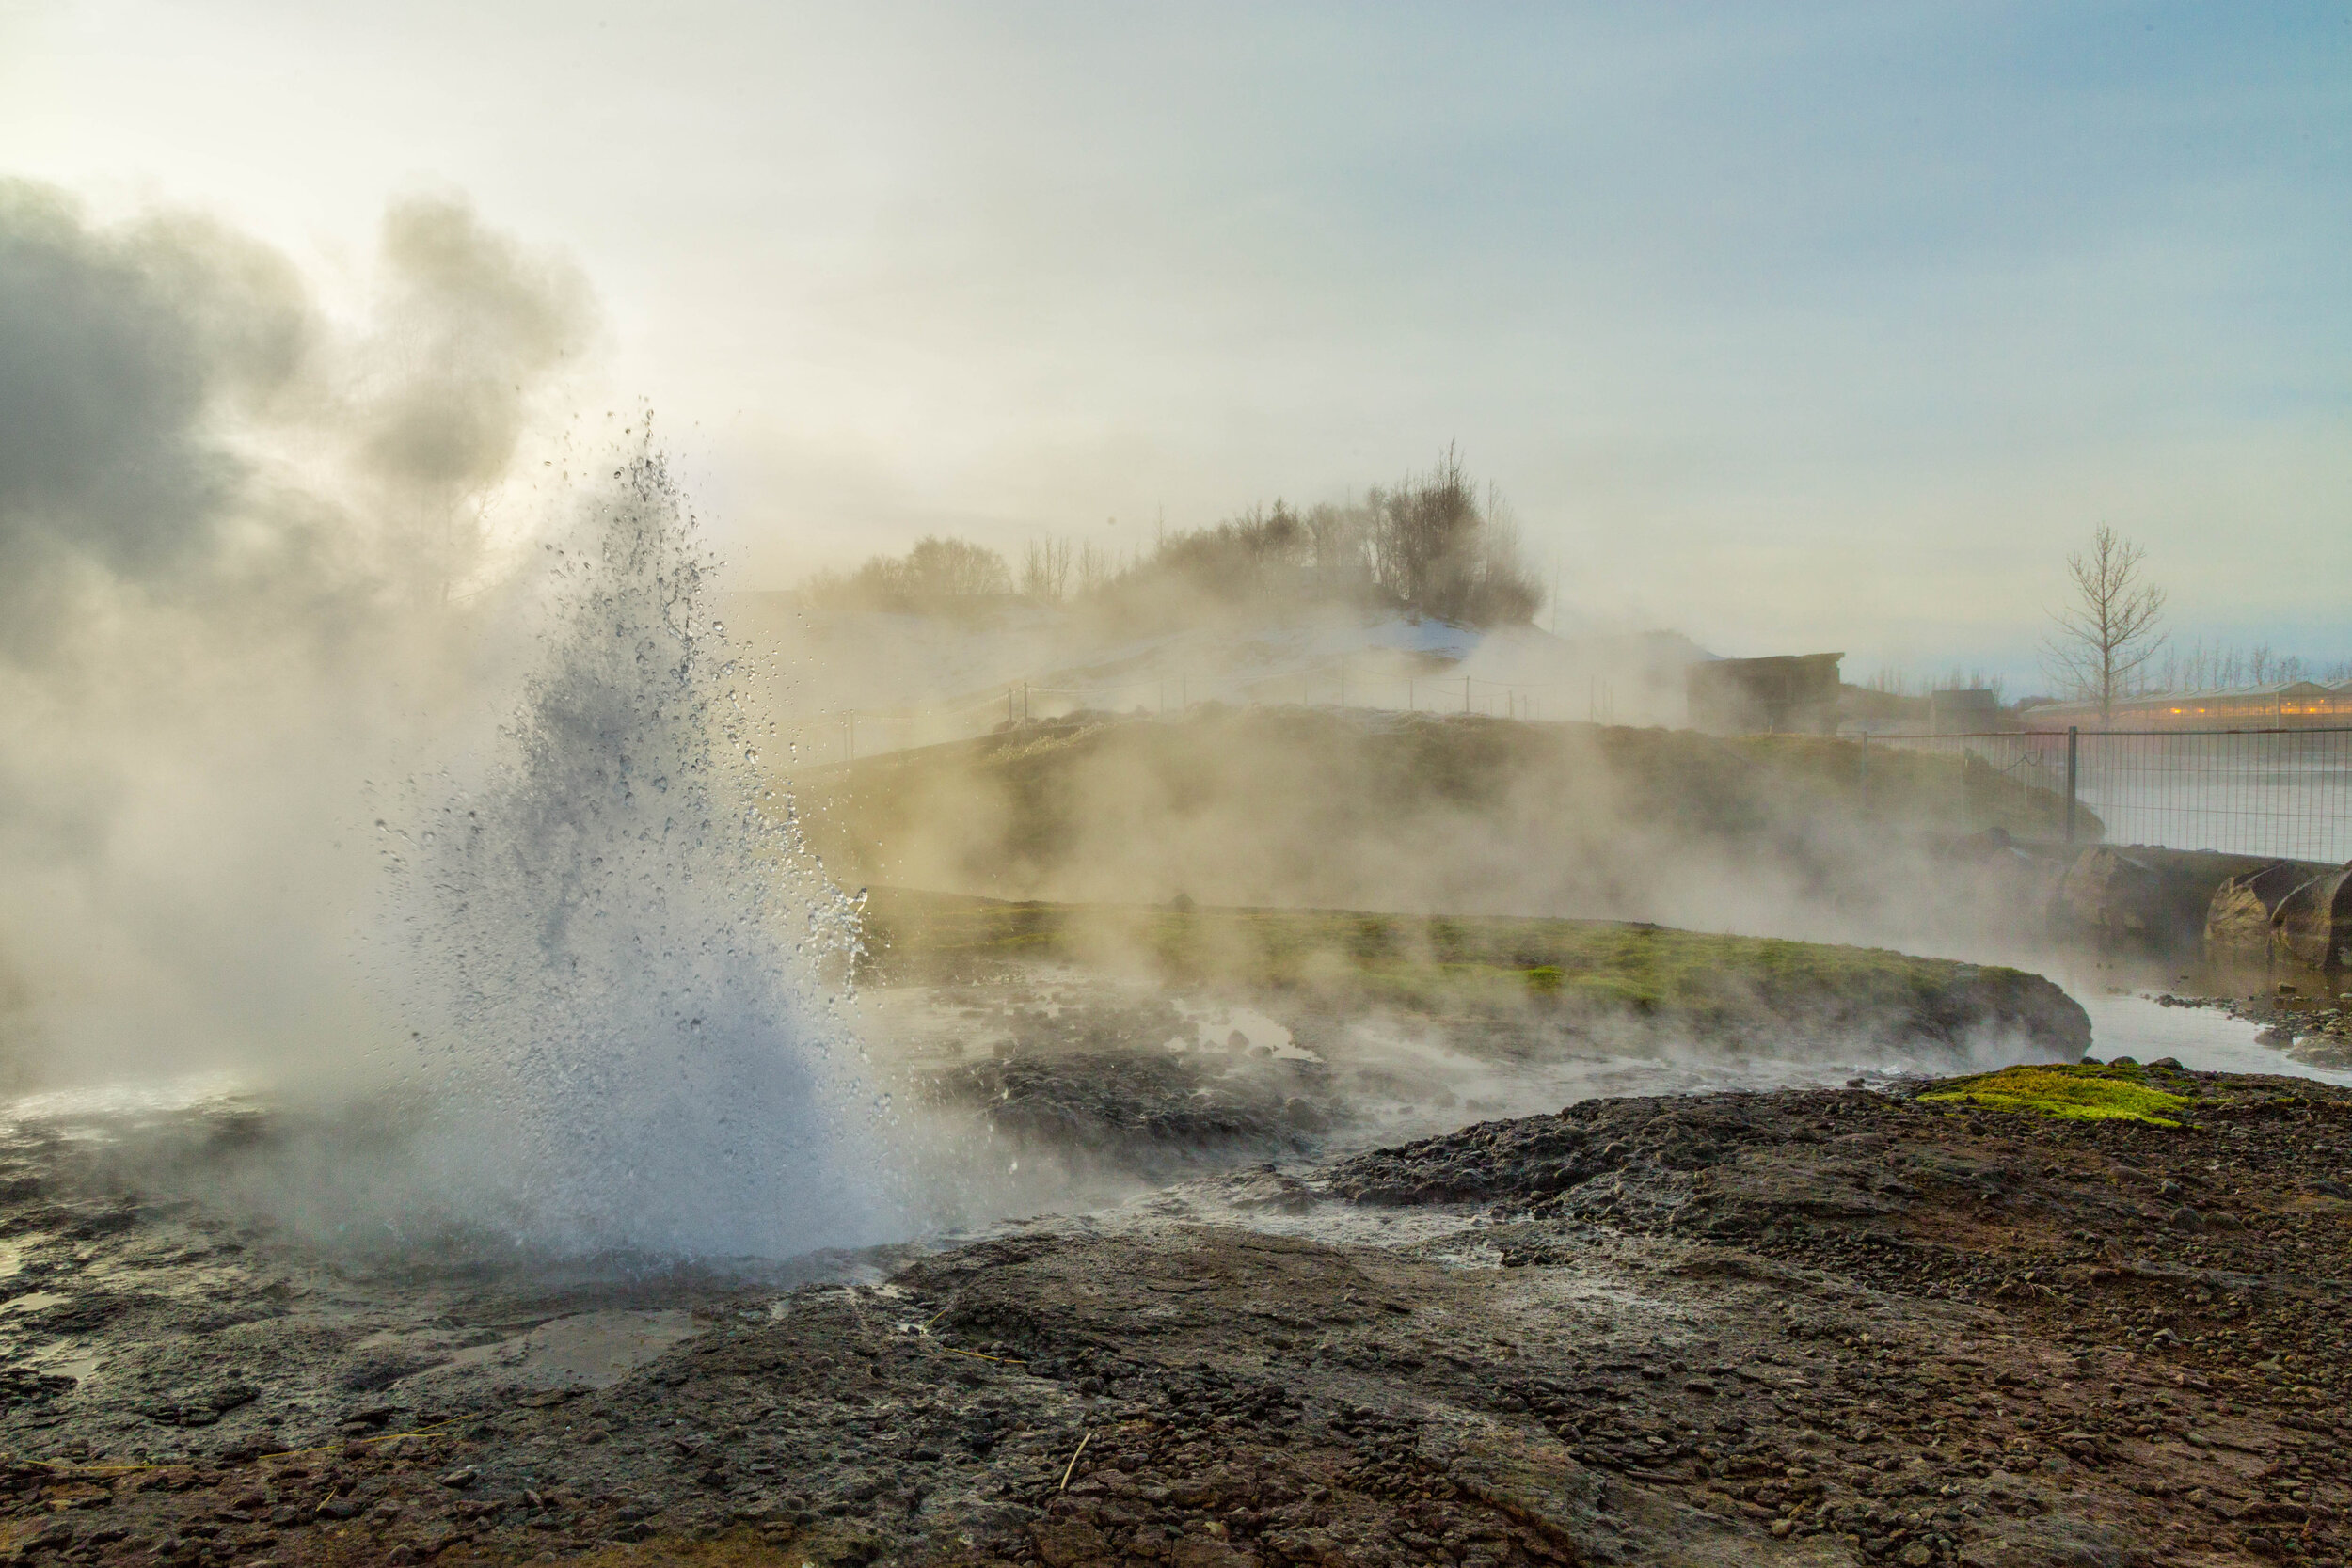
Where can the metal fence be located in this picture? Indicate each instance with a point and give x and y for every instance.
(2284, 792)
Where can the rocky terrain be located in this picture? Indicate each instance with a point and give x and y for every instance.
(1808, 1327)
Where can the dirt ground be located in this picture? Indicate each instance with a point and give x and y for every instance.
(1818, 1326)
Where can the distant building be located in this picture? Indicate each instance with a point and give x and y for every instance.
(2291, 704)
(1973, 710)
(1788, 694)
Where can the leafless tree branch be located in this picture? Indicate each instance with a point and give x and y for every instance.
(2107, 634)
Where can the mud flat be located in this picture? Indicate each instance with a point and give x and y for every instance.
(1811, 1327)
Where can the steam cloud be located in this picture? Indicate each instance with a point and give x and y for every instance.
(243, 546)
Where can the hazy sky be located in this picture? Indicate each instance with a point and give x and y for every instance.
(1795, 327)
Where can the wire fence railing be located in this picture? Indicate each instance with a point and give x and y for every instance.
(2278, 792)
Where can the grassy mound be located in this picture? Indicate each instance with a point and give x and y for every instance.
(1352, 810)
(2078, 1093)
(1470, 969)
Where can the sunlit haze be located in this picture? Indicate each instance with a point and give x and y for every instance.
(1793, 327)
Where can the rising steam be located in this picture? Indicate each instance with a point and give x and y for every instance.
(246, 560)
(258, 557)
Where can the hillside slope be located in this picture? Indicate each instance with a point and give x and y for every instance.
(1473, 815)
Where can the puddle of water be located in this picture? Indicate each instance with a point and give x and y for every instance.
(593, 1350)
(2205, 1039)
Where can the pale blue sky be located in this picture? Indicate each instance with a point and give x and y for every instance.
(1795, 327)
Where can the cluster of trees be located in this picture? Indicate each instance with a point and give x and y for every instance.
(935, 572)
(2197, 668)
(1429, 546)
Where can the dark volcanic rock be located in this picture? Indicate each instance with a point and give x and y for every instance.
(1810, 1326)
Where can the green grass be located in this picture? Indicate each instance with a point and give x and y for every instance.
(1455, 969)
(2079, 1093)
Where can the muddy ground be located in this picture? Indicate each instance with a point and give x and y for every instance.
(1818, 1326)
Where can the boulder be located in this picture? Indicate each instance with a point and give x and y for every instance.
(2312, 924)
(2119, 894)
(2165, 897)
(2238, 918)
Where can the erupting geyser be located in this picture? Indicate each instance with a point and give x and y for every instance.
(617, 948)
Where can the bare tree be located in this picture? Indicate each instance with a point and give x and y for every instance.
(1045, 570)
(2109, 631)
(1096, 568)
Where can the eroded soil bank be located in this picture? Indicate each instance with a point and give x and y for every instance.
(1808, 1326)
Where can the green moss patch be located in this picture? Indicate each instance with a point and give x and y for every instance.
(2083, 1093)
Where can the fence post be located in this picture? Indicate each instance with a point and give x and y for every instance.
(1024, 701)
(2073, 757)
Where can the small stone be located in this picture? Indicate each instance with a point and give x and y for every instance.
(1781, 1528)
(461, 1479)
(2185, 1218)
(55, 1535)
(1918, 1556)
